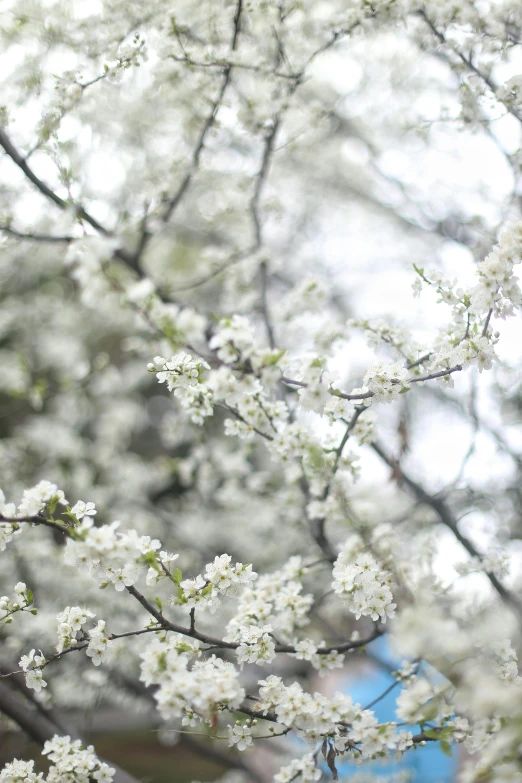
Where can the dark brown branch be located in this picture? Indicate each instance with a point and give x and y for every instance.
(35, 520)
(37, 237)
(81, 646)
(367, 395)
(441, 508)
(209, 121)
(219, 643)
(81, 213)
(486, 322)
(488, 81)
(318, 524)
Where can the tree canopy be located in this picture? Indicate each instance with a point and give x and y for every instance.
(260, 398)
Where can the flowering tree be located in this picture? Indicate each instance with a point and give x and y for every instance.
(181, 353)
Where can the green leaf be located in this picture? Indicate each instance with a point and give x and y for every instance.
(445, 748)
(29, 597)
(270, 359)
(177, 575)
(150, 559)
(159, 603)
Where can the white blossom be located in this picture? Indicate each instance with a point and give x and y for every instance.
(239, 736)
(364, 587)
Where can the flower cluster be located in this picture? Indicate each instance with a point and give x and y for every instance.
(497, 288)
(71, 760)
(7, 531)
(22, 601)
(313, 373)
(511, 92)
(182, 374)
(221, 578)
(276, 601)
(233, 340)
(421, 701)
(478, 351)
(227, 579)
(256, 645)
(338, 408)
(44, 495)
(32, 665)
(505, 659)
(306, 650)
(18, 771)
(35, 500)
(183, 325)
(70, 621)
(385, 381)
(67, 93)
(304, 769)
(112, 557)
(314, 717)
(126, 55)
(99, 639)
(86, 257)
(240, 736)
(364, 587)
(199, 690)
(469, 339)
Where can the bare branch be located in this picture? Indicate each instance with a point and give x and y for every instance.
(37, 237)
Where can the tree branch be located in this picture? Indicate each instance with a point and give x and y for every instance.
(209, 121)
(447, 518)
(81, 213)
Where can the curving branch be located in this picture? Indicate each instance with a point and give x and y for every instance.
(446, 517)
(466, 60)
(49, 193)
(167, 625)
(47, 238)
(174, 200)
